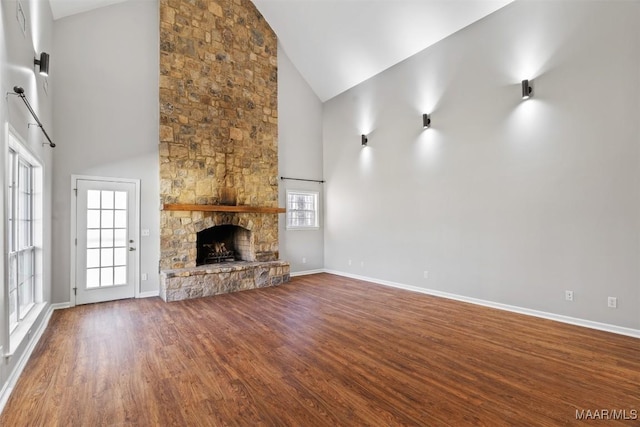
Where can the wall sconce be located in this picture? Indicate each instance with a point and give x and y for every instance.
(527, 90)
(426, 121)
(364, 140)
(43, 62)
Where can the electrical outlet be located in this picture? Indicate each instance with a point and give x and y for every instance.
(349, 262)
(612, 302)
(426, 274)
(568, 295)
(361, 263)
(304, 260)
(143, 276)
(144, 232)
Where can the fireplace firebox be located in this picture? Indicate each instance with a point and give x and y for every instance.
(224, 243)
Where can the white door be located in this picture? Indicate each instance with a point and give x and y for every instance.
(106, 234)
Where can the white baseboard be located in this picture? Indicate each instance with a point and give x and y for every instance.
(24, 358)
(306, 272)
(515, 309)
(148, 294)
(60, 305)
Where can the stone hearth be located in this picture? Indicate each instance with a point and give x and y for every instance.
(222, 278)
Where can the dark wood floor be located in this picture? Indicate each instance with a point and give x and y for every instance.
(320, 351)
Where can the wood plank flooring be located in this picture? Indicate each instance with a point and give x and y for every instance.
(322, 350)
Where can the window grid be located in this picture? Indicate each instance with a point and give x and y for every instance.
(106, 238)
(302, 210)
(20, 237)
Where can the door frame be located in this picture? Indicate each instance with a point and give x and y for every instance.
(72, 231)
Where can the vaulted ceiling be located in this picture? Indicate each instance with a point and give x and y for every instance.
(63, 8)
(337, 44)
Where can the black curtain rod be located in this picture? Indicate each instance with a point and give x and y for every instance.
(20, 92)
(302, 179)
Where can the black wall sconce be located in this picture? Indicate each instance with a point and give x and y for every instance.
(364, 140)
(527, 90)
(43, 62)
(426, 121)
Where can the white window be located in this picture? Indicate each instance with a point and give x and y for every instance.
(22, 175)
(302, 210)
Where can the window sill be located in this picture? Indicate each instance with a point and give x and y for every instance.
(24, 328)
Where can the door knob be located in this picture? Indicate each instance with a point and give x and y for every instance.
(132, 249)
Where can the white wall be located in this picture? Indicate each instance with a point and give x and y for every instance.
(299, 156)
(106, 118)
(503, 200)
(17, 51)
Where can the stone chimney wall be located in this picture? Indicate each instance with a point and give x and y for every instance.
(218, 122)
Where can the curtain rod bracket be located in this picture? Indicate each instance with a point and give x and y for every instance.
(19, 91)
(302, 179)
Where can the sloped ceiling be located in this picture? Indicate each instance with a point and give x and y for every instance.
(337, 44)
(62, 8)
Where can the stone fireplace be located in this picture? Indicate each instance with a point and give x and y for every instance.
(218, 149)
(250, 265)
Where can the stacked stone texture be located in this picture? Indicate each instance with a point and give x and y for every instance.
(216, 279)
(218, 121)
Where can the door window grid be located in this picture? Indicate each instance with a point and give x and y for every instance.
(106, 238)
(302, 210)
(20, 238)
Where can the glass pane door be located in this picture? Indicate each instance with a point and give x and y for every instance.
(106, 238)
(106, 259)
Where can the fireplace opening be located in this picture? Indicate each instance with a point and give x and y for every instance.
(223, 243)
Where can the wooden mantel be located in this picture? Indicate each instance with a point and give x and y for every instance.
(223, 208)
